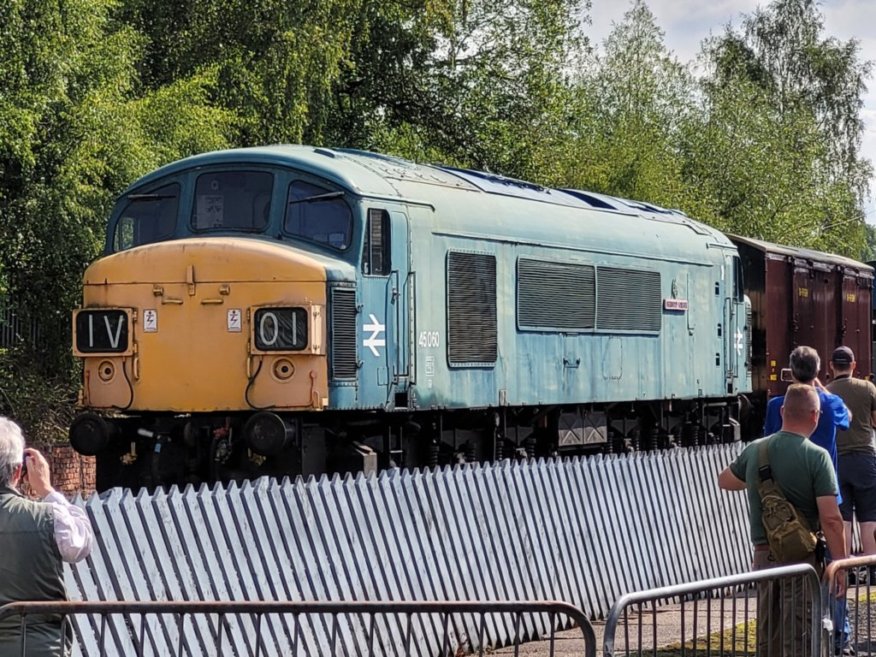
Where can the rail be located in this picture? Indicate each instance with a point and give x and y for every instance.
(715, 616)
(261, 629)
(849, 619)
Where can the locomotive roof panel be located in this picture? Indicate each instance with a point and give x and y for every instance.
(455, 193)
(802, 254)
(367, 174)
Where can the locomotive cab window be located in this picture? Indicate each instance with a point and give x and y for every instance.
(318, 214)
(232, 200)
(148, 217)
(738, 282)
(376, 258)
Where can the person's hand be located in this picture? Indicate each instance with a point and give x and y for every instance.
(818, 384)
(839, 583)
(38, 475)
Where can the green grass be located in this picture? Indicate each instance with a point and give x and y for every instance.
(732, 641)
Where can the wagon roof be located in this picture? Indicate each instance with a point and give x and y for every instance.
(801, 253)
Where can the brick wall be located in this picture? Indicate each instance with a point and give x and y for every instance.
(71, 472)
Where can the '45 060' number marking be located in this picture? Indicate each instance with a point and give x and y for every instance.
(429, 339)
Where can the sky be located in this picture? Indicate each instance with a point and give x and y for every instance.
(687, 22)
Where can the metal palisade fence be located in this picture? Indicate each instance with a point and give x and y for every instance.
(585, 531)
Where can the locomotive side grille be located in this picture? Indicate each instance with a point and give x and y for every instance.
(628, 300)
(471, 308)
(343, 337)
(554, 295)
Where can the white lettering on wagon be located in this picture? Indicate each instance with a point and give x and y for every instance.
(374, 340)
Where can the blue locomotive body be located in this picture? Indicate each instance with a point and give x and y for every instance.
(467, 316)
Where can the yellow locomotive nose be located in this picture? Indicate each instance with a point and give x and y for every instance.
(203, 325)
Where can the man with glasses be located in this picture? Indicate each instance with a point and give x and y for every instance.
(35, 538)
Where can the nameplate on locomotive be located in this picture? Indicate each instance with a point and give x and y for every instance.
(675, 304)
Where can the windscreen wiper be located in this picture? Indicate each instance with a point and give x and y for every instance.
(150, 197)
(318, 197)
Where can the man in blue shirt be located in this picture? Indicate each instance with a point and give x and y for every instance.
(805, 364)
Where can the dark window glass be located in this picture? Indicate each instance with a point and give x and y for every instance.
(232, 200)
(148, 217)
(280, 329)
(376, 260)
(738, 282)
(317, 214)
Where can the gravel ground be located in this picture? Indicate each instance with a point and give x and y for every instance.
(724, 625)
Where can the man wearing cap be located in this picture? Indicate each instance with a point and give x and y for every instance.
(856, 451)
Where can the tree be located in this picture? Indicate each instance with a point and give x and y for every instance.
(74, 131)
(276, 62)
(476, 83)
(634, 101)
(868, 253)
(782, 110)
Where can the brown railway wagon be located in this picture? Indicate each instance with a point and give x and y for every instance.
(801, 297)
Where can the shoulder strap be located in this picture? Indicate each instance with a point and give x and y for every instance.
(763, 460)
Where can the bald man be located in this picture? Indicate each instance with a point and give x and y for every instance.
(805, 474)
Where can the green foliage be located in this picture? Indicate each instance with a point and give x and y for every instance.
(634, 100)
(868, 253)
(42, 406)
(93, 93)
(276, 61)
(479, 84)
(778, 142)
(76, 130)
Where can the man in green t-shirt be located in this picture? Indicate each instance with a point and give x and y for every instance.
(804, 473)
(857, 453)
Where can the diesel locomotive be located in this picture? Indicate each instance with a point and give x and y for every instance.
(297, 310)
